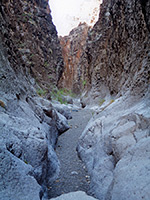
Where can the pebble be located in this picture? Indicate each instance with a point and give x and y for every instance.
(74, 173)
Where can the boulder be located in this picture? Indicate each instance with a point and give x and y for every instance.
(83, 103)
(64, 110)
(69, 100)
(16, 181)
(61, 122)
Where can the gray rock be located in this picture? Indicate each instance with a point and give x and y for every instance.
(31, 142)
(61, 122)
(132, 173)
(16, 181)
(27, 137)
(74, 196)
(64, 110)
(74, 173)
(83, 103)
(115, 146)
(69, 100)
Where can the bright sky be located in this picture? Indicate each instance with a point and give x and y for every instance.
(67, 14)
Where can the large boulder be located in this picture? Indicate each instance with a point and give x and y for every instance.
(16, 182)
(64, 110)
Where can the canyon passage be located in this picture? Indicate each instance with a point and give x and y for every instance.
(75, 110)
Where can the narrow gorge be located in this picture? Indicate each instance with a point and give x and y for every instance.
(75, 110)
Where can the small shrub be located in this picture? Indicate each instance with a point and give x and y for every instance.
(93, 113)
(31, 55)
(67, 92)
(41, 92)
(46, 63)
(84, 83)
(58, 95)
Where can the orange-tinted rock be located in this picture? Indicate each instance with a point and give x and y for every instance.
(72, 49)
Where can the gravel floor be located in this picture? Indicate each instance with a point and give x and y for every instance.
(73, 176)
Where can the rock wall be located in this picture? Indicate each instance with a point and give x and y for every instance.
(115, 144)
(31, 40)
(73, 47)
(29, 124)
(116, 58)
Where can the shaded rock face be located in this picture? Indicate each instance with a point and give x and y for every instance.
(28, 134)
(116, 58)
(31, 40)
(73, 47)
(29, 125)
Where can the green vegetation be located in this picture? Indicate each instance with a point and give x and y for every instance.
(59, 95)
(51, 78)
(93, 113)
(84, 83)
(101, 101)
(41, 92)
(66, 92)
(31, 55)
(46, 64)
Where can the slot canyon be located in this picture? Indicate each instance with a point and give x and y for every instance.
(75, 108)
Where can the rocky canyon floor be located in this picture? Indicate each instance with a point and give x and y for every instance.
(73, 175)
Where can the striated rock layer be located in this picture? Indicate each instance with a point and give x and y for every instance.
(116, 143)
(29, 125)
(116, 58)
(73, 47)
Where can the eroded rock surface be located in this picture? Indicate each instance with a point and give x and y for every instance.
(28, 162)
(116, 58)
(31, 40)
(115, 144)
(113, 64)
(73, 47)
(115, 148)
(27, 137)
